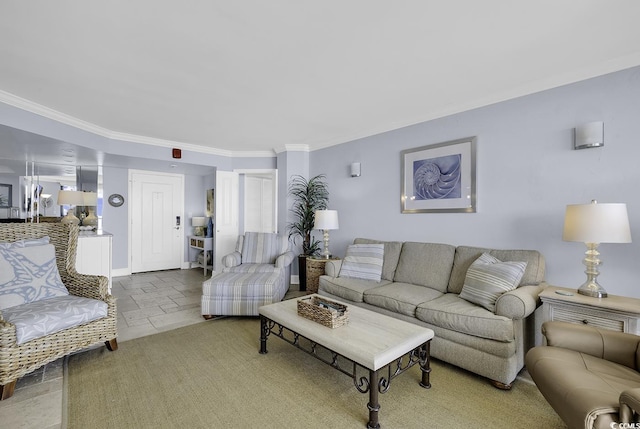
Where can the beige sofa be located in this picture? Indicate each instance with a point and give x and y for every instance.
(421, 283)
(590, 376)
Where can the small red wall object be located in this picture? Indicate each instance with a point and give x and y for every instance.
(177, 153)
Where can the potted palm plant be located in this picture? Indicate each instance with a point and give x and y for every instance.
(308, 196)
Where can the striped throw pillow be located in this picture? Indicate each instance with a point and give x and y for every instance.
(363, 261)
(488, 278)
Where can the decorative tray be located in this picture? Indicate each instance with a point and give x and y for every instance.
(324, 311)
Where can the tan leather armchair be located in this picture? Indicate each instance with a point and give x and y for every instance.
(590, 376)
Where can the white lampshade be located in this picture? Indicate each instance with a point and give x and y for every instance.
(597, 223)
(326, 219)
(198, 221)
(90, 198)
(70, 198)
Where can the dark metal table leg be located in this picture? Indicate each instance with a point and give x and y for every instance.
(264, 330)
(374, 404)
(425, 364)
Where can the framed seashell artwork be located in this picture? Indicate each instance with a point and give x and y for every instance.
(440, 178)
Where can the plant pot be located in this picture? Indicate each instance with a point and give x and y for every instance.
(302, 271)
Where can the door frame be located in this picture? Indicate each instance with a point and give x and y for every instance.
(131, 172)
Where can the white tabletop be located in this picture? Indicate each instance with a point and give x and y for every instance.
(370, 339)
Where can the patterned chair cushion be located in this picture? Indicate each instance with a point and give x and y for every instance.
(28, 273)
(263, 248)
(40, 318)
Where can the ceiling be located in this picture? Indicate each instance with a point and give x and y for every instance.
(254, 75)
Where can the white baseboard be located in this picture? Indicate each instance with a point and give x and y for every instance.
(120, 272)
(295, 279)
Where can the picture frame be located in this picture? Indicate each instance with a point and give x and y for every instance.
(210, 203)
(440, 178)
(5, 195)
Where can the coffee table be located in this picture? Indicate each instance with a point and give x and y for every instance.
(383, 347)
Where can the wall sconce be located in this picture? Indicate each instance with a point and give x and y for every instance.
(593, 224)
(589, 135)
(355, 169)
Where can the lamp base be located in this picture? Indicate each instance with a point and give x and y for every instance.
(592, 289)
(70, 218)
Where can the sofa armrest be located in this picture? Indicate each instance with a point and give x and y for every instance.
(519, 303)
(232, 259)
(332, 267)
(285, 259)
(629, 405)
(618, 347)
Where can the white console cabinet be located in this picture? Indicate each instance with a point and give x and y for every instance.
(94, 254)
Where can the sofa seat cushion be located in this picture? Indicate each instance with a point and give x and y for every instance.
(348, 288)
(425, 264)
(251, 268)
(40, 318)
(452, 312)
(400, 297)
(584, 385)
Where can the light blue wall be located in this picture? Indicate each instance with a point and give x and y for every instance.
(527, 172)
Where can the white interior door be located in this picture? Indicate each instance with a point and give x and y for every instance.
(259, 203)
(157, 219)
(227, 214)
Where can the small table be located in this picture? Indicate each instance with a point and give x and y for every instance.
(617, 313)
(383, 346)
(315, 268)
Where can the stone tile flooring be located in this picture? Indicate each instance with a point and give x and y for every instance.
(148, 303)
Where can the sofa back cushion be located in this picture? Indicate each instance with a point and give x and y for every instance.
(263, 248)
(391, 255)
(465, 255)
(425, 264)
(28, 273)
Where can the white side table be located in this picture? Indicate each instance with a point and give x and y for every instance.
(617, 313)
(196, 245)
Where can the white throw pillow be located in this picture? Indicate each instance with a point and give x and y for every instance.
(28, 273)
(363, 261)
(488, 278)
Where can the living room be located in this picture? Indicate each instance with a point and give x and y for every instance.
(527, 170)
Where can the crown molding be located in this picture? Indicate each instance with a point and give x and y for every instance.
(46, 112)
(293, 148)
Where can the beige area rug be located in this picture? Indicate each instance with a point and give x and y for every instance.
(210, 375)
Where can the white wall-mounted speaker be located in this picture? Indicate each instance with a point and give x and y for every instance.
(589, 135)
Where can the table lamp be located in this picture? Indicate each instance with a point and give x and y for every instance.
(71, 199)
(198, 223)
(593, 224)
(326, 220)
(90, 201)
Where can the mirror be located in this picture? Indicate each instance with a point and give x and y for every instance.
(34, 189)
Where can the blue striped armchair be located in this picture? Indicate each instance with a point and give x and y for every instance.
(257, 273)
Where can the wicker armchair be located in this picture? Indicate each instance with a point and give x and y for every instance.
(19, 360)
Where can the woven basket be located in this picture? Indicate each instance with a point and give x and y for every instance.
(315, 268)
(309, 308)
